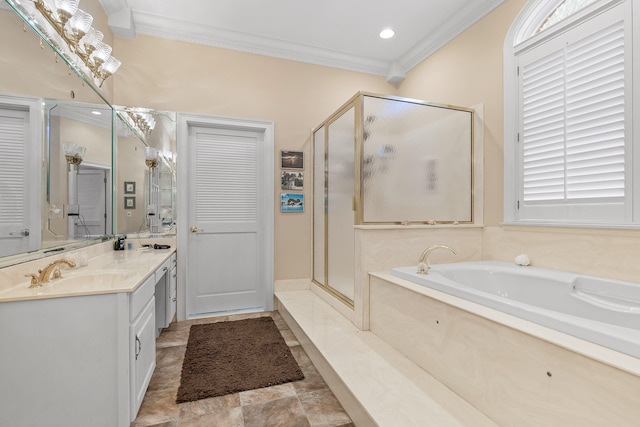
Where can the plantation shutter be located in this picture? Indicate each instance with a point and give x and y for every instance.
(573, 124)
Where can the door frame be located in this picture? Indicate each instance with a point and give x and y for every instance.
(185, 122)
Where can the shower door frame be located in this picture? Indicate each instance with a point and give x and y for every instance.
(357, 102)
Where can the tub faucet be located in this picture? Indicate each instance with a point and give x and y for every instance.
(423, 263)
(52, 269)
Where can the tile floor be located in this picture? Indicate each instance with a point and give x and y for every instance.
(306, 403)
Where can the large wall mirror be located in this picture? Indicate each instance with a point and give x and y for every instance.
(78, 191)
(64, 187)
(146, 173)
(47, 104)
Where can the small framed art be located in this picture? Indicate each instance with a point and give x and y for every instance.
(129, 187)
(291, 202)
(292, 180)
(291, 159)
(129, 202)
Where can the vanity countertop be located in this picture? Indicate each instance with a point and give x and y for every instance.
(109, 272)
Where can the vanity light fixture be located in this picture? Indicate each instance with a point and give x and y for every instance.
(69, 29)
(141, 119)
(151, 158)
(74, 154)
(387, 33)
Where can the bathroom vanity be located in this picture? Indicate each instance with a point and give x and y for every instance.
(80, 350)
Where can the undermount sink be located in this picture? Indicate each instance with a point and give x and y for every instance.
(72, 281)
(89, 280)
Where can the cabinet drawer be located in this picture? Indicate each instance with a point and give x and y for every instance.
(163, 269)
(141, 296)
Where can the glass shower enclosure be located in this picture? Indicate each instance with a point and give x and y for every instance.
(380, 161)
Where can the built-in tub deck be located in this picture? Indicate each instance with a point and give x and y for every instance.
(513, 370)
(431, 358)
(600, 310)
(375, 383)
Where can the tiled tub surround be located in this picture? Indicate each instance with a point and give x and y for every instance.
(69, 357)
(382, 247)
(600, 310)
(516, 372)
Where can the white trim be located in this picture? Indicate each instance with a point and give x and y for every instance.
(190, 32)
(185, 121)
(515, 41)
(127, 22)
(444, 34)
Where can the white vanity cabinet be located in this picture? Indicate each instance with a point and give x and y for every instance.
(142, 341)
(172, 301)
(83, 360)
(166, 293)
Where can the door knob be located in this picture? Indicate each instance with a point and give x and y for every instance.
(23, 233)
(193, 229)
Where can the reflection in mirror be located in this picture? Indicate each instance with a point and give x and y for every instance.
(30, 73)
(145, 182)
(79, 175)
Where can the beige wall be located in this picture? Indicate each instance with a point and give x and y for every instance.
(29, 69)
(468, 71)
(180, 76)
(173, 75)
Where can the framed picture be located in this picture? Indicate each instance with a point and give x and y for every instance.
(129, 187)
(291, 159)
(129, 202)
(291, 202)
(292, 180)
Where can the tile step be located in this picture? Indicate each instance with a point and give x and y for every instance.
(376, 384)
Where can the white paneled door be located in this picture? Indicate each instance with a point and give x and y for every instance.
(92, 201)
(229, 259)
(20, 157)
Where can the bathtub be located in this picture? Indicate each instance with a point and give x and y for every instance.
(602, 311)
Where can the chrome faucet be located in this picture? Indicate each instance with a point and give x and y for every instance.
(423, 262)
(50, 270)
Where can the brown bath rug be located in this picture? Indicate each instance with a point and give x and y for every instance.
(229, 357)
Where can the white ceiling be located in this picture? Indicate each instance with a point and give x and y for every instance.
(335, 33)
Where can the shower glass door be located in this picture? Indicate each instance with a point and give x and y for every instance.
(333, 213)
(340, 205)
(319, 207)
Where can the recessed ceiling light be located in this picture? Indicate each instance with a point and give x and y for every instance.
(387, 33)
(97, 113)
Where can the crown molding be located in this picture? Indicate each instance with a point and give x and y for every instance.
(159, 26)
(119, 18)
(443, 35)
(122, 19)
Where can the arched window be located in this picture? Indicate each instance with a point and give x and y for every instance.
(563, 10)
(568, 115)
